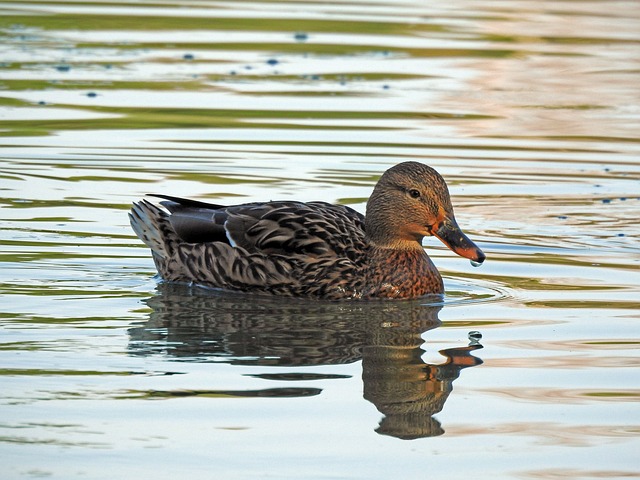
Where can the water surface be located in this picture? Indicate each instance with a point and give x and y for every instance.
(530, 110)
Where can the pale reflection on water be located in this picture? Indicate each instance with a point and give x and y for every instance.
(530, 110)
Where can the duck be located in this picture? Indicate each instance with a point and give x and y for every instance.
(310, 249)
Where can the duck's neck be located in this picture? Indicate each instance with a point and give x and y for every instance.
(401, 273)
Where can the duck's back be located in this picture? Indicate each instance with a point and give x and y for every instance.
(287, 248)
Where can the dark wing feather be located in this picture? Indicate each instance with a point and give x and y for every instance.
(194, 221)
(285, 228)
(178, 202)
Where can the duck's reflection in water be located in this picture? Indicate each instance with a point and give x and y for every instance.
(403, 387)
(199, 325)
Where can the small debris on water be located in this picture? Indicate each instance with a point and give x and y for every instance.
(188, 56)
(272, 62)
(92, 94)
(474, 337)
(606, 200)
(301, 36)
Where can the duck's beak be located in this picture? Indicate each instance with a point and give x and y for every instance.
(449, 233)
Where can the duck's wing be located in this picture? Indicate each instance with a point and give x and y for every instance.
(282, 227)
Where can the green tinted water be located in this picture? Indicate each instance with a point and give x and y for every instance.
(530, 110)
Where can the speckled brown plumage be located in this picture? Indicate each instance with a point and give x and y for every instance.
(312, 249)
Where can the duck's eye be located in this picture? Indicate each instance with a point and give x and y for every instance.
(413, 193)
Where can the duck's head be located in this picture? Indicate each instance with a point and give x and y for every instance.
(409, 202)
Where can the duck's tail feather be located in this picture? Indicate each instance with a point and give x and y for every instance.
(152, 226)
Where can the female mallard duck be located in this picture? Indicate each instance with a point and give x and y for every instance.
(310, 249)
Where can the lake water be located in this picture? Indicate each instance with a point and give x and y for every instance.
(529, 109)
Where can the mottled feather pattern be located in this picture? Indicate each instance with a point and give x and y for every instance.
(314, 228)
(152, 227)
(275, 253)
(312, 249)
(220, 265)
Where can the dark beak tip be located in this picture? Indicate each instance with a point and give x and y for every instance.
(450, 234)
(479, 260)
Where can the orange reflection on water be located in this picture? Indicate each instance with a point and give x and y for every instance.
(551, 433)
